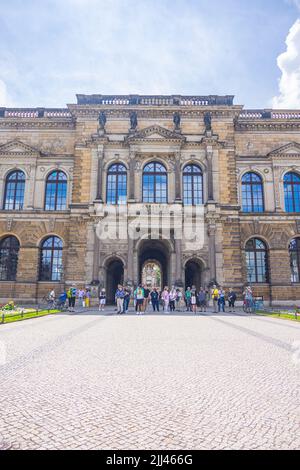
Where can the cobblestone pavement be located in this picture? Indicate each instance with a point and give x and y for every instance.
(90, 381)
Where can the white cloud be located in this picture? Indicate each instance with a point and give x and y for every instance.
(289, 64)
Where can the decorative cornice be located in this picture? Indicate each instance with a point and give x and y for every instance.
(20, 123)
(269, 125)
(118, 112)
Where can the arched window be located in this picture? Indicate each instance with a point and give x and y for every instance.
(155, 183)
(192, 185)
(294, 250)
(56, 191)
(292, 192)
(252, 193)
(9, 253)
(14, 191)
(51, 259)
(116, 187)
(257, 261)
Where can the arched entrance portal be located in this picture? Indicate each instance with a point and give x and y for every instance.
(193, 271)
(152, 274)
(114, 276)
(154, 259)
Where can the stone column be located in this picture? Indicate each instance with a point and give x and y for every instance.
(178, 270)
(210, 183)
(96, 258)
(130, 273)
(178, 196)
(277, 187)
(29, 202)
(212, 250)
(132, 163)
(99, 177)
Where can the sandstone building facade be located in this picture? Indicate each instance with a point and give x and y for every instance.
(63, 170)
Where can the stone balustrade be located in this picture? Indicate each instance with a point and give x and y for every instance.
(21, 114)
(155, 100)
(34, 113)
(269, 114)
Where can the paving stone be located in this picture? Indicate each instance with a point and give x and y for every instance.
(156, 382)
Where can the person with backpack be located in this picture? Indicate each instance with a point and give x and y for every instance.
(202, 300)
(231, 299)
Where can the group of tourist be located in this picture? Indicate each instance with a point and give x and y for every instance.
(69, 297)
(169, 299)
(175, 299)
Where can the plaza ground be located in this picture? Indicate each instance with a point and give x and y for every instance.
(157, 381)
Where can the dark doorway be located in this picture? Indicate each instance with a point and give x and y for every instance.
(193, 274)
(114, 276)
(155, 251)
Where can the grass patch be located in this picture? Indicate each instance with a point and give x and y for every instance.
(283, 316)
(9, 318)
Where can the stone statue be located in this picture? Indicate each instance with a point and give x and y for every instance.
(207, 121)
(133, 120)
(102, 119)
(176, 120)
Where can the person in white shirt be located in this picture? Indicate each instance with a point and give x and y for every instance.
(80, 296)
(52, 297)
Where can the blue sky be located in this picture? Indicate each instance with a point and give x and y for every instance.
(52, 49)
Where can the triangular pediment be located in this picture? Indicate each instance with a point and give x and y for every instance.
(17, 147)
(289, 149)
(155, 134)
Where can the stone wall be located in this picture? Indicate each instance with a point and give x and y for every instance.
(73, 141)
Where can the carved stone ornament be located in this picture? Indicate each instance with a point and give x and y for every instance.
(9, 222)
(52, 224)
(55, 146)
(256, 225)
(138, 165)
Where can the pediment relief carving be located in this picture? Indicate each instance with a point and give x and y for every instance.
(155, 134)
(293, 148)
(17, 147)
